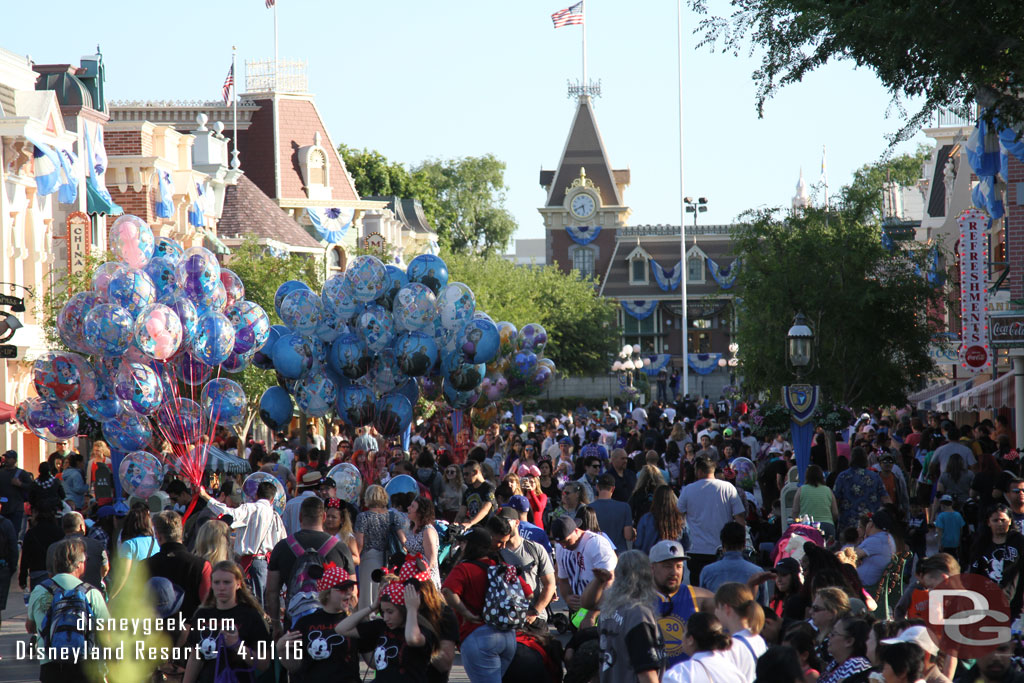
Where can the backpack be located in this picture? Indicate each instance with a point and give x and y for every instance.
(68, 609)
(309, 566)
(505, 603)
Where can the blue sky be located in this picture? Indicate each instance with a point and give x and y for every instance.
(449, 78)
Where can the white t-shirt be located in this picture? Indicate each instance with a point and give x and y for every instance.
(670, 414)
(706, 667)
(744, 657)
(594, 551)
(709, 504)
(640, 415)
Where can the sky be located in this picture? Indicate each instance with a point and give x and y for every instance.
(451, 78)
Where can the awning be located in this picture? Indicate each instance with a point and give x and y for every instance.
(222, 461)
(214, 244)
(98, 199)
(947, 393)
(6, 412)
(922, 399)
(992, 395)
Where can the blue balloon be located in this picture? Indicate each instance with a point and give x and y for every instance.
(140, 387)
(356, 403)
(223, 401)
(191, 370)
(276, 408)
(110, 329)
(479, 341)
(187, 314)
(215, 300)
(397, 279)
(284, 290)
(127, 432)
(384, 373)
(236, 362)
(349, 356)
(415, 307)
(169, 249)
(336, 298)
(456, 398)
(252, 326)
(330, 328)
(104, 406)
(366, 278)
(301, 310)
(161, 270)
(293, 356)
(403, 483)
(465, 376)
(376, 328)
(410, 389)
(416, 353)
(264, 357)
(429, 270)
(131, 289)
(315, 395)
(198, 273)
(214, 340)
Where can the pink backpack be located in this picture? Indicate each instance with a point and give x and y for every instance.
(792, 542)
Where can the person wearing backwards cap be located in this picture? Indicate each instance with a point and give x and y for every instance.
(311, 650)
(586, 563)
(675, 602)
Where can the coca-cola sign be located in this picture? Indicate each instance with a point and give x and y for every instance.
(1007, 329)
(973, 251)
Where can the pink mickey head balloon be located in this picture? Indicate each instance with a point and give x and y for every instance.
(158, 331)
(132, 241)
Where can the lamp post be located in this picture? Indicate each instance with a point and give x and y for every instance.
(801, 399)
(626, 364)
(731, 363)
(695, 206)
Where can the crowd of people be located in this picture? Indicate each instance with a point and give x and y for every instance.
(612, 545)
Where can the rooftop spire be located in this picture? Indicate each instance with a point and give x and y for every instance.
(801, 200)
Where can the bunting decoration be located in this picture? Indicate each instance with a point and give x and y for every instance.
(801, 401)
(164, 207)
(67, 193)
(47, 165)
(984, 150)
(196, 217)
(667, 279)
(583, 234)
(703, 363)
(331, 224)
(725, 277)
(639, 309)
(99, 199)
(659, 361)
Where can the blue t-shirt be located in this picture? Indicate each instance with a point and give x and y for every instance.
(672, 615)
(532, 532)
(951, 524)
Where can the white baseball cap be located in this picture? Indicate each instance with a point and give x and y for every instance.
(918, 635)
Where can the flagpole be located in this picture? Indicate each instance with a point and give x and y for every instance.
(234, 109)
(583, 3)
(683, 323)
(824, 175)
(275, 47)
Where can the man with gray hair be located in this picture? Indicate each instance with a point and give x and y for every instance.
(97, 564)
(66, 566)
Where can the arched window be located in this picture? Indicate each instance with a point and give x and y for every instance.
(317, 168)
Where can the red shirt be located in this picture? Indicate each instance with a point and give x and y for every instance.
(468, 580)
(538, 503)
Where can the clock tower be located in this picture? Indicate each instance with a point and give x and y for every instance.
(584, 208)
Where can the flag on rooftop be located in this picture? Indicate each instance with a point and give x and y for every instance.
(571, 16)
(229, 83)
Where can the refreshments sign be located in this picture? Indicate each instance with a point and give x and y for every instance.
(975, 355)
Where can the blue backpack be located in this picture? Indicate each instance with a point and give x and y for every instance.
(68, 609)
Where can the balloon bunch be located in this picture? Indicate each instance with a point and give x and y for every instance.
(157, 318)
(376, 338)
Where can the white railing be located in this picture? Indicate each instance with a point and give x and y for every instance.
(948, 119)
(287, 75)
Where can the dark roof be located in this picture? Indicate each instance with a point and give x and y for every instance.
(409, 211)
(61, 78)
(666, 253)
(247, 211)
(583, 148)
(937, 196)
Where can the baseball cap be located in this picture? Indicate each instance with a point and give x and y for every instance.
(882, 520)
(667, 550)
(565, 440)
(508, 512)
(104, 511)
(562, 528)
(918, 635)
(887, 457)
(10, 454)
(728, 431)
(946, 499)
(787, 565)
(518, 503)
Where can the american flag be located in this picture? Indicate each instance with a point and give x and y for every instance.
(229, 84)
(270, 3)
(568, 17)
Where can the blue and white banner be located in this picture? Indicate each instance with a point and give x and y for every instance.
(703, 363)
(667, 278)
(67, 193)
(982, 150)
(331, 224)
(725, 277)
(196, 217)
(164, 206)
(639, 309)
(47, 165)
(583, 234)
(95, 162)
(659, 361)
(984, 196)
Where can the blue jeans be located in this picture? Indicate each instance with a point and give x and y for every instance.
(256, 578)
(487, 653)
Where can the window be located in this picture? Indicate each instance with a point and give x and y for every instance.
(699, 342)
(583, 261)
(647, 332)
(317, 168)
(695, 269)
(703, 324)
(336, 261)
(638, 271)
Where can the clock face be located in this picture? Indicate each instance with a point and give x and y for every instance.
(582, 205)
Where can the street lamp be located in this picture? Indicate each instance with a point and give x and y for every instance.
(700, 205)
(799, 342)
(626, 364)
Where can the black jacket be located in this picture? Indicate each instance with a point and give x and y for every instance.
(184, 569)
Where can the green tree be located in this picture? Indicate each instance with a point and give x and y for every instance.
(581, 326)
(867, 306)
(262, 274)
(863, 196)
(952, 53)
(374, 175)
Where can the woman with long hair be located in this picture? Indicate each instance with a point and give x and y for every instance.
(235, 628)
(213, 541)
(512, 479)
(649, 479)
(800, 637)
(847, 644)
(547, 481)
(955, 481)
(707, 643)
(743, 618)
(663, 522)
(422, 537)
(405, 636)
(136, 543)
(338, 523)
(529, 476)
(452, 489)
(816, 499)
(628, 623)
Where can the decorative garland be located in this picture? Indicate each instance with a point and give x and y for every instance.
(659, 362)
(639, 309)
(667, 279)
(583, 234)
(164, 207)
(703, 363)
(725, 277)
(332, 223)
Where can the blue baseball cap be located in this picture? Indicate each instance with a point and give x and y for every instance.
(518, 503)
